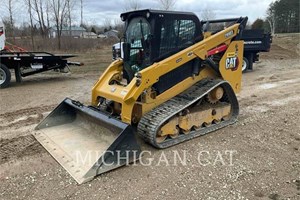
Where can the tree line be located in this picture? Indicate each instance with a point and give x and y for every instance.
(282, 16)
(42, 15)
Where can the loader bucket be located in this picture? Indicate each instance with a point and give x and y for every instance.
(85, 141)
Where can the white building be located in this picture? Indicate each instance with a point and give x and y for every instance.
(90, 35)
(74, 31)
(112, 33)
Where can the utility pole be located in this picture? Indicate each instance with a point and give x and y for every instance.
(11, 20)
(81, 13)
(31, 23)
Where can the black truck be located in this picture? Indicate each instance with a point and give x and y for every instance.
(256, 40)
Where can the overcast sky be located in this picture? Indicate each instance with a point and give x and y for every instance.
(98, 11)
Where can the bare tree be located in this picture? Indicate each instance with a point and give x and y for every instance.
(10, 7)
(208, 14)
(107, 24)
(167, 4)
(271, 17)
(2, 10)
(47, 13)
(38, 7)
(31, 21)
(69, 17)
(249, 24)
(119, 26)
(132, 5)
(11, 20)
(81, 12)
(70, 6)
(60, 11)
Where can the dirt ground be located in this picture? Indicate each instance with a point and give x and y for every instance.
(265, 141)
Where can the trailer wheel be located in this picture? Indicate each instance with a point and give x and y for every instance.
(245, 65)
(5, 76)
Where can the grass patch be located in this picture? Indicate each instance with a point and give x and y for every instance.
(94, 60)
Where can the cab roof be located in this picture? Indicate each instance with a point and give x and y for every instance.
(131, 14)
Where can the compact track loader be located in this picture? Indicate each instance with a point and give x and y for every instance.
(174, 82)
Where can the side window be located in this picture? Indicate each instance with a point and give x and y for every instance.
(176, 34)
(187, 30)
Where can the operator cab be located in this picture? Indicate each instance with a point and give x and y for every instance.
(153, 35)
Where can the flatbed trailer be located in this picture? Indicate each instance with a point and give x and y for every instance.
(29, 63)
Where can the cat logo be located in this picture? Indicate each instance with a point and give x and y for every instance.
(232, 61)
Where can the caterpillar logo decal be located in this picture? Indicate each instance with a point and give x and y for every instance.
(232, 61)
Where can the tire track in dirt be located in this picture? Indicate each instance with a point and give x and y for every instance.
(16, 148)
(23, 117)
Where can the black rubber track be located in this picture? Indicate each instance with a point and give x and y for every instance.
(151, 122)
